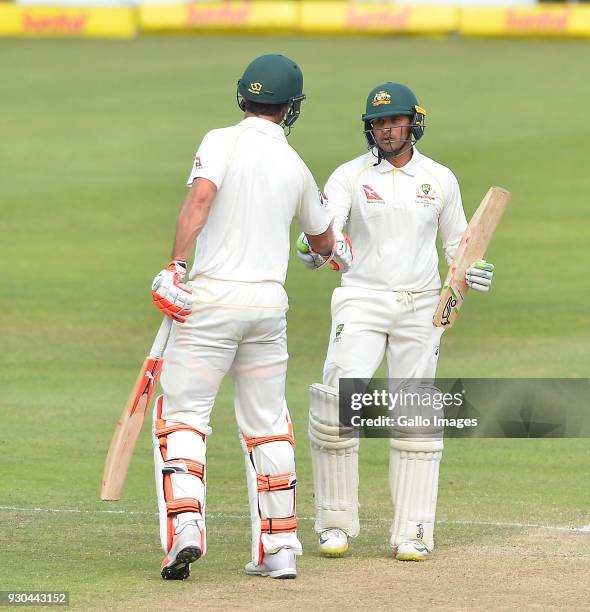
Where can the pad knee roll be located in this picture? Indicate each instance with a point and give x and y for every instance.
(334, 455)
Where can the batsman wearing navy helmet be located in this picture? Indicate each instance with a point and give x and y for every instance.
(394, 202)
(246, 185)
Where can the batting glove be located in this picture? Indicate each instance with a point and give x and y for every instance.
(310, 259)
(479, 275)
(340, 259)
(170, 294)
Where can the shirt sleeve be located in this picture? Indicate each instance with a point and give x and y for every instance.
(312, 215)
(338, 197)
(452, 222)
(211, 160)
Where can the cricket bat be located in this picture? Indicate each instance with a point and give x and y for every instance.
(129, 425)
(472, 247)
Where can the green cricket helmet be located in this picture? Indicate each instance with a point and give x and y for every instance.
(391, 100)
(273, 79)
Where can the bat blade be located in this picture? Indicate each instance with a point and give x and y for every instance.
(472, 247)
(128, 429)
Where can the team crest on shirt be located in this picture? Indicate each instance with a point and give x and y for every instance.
(427, 196)
(425, 193)
(198, 164)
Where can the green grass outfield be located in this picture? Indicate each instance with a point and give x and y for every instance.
(96, 141)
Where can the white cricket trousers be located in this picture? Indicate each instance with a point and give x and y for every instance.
(368, 325)
(239, 328)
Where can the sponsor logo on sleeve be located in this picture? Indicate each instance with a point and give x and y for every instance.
(198, 164)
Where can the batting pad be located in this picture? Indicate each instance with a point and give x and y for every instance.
(179, 459)
(271, 480)
(334, 456)
(413, 477)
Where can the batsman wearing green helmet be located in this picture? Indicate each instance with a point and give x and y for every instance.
(246, 186)
(394, 201)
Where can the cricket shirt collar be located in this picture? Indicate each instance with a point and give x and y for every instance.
(265, 126)
(411, 168)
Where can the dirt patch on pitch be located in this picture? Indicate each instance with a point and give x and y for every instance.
(535, 570)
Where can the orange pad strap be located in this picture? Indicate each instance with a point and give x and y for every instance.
(278, 525)
(276, 482)
(183, 504)
(185, 466)
(162, 430)
(252, 442)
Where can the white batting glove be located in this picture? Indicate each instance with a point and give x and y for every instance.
(340, 259)
(479, 275)
(170, 294)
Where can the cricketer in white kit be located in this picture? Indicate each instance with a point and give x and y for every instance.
(247, 184)
(393, 201)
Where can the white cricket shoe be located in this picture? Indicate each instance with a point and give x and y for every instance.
(410, 550)
(333, 543)
(186, 548)
(277, 565)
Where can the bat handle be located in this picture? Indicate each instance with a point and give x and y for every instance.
(161, 338)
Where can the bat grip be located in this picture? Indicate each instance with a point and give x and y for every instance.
(161, 338)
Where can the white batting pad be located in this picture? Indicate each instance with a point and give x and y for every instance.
(335, 464)
(413, 477)
(181, 446)
(272, 481)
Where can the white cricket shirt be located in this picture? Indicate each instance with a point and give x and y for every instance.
(392, 217)
(262, 184)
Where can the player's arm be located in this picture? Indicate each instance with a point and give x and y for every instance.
(169, 293)
(193, 216)
(452, 224)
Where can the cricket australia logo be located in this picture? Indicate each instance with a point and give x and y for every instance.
(339, 329)
(425, 194)
(255, 88)
(381, 97)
